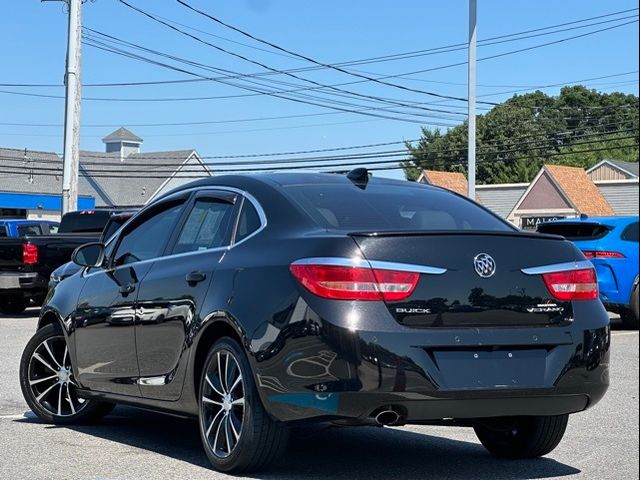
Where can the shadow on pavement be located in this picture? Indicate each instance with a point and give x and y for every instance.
(31, 312)
(348, 453)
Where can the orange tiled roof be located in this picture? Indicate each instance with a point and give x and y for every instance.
(455, 181)
(580, 190)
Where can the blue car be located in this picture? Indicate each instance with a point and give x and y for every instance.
(611, 243)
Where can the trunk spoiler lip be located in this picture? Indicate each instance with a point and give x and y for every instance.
(419, 233)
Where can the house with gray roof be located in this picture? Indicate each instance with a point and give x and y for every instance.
(618, 182)
(120, 177)
(613, 170)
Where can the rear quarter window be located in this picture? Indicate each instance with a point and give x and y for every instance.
(630, 234)
(248, 222)
(395, 207)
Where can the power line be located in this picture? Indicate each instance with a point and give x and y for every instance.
(263, 65)
(402, 55)
(372, 156)
(146, 174)
(405, 74)
(281, 117)
(306, 57)
(383, 100)
(274, 94)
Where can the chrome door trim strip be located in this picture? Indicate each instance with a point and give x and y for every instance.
(152, 381)
(407, 267)
(557, 267)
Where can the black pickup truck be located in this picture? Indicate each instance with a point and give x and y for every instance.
(26, 262)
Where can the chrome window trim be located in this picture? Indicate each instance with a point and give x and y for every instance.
(244, 195)
(377, 264)
(261, 215)
(557, 267)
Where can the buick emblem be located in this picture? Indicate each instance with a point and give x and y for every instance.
(485, 265)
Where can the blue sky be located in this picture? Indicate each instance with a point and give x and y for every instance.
(33, 44)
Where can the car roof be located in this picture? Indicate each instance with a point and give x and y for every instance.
(284, 179)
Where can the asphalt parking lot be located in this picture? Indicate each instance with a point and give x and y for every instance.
(133, 444)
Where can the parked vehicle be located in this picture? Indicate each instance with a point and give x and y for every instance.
(611, 243)
(27, 261)
(19, 227)
(116, 220)
(258, 302)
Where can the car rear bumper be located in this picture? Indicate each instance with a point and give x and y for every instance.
(29, 284)
(329, 373)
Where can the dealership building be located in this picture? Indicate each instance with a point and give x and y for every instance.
(608, 188)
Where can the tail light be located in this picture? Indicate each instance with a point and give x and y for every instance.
(602, 254)
(355, 282)
(573, 284)
(29, 254)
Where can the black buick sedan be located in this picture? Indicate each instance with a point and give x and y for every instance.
(261, 302)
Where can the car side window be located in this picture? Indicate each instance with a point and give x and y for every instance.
(207, 226)
(147, 239)
(248, 222)
(630, 234)
(29, 230)
(53, 228)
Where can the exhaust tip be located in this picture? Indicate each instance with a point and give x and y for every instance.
(387, 417)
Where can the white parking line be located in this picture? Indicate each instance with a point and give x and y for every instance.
(15, 416)
(620, 334)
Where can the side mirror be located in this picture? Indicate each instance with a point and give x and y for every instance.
(89, 255)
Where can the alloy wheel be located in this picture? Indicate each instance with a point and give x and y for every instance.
(51, 378)
(222, 404)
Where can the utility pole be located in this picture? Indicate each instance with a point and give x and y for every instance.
(471, 102)
(72, 109)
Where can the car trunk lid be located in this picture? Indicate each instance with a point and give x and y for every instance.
(461, 297)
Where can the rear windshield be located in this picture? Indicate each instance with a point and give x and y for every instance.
(85, 221)
(407, 207)
(576, 231)
(29, 229)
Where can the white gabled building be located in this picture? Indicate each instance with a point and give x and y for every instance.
(120, 177)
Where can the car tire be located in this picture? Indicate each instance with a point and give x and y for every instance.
(48, 383)
(630, 317)
(521, 437)
(13, 305)
(237, 433)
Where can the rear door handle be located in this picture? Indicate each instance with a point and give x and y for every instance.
(127, 289)
(195, 277)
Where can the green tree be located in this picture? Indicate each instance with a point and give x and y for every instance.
(579, 127)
